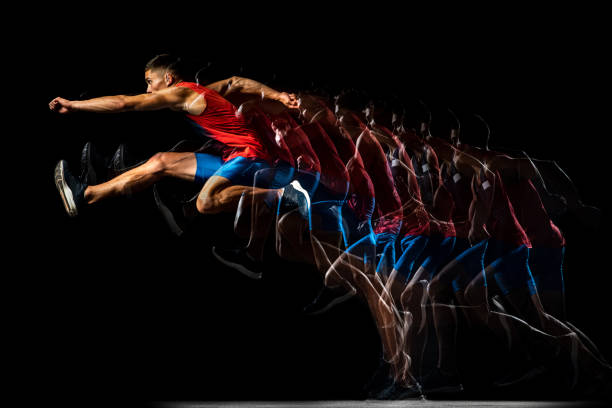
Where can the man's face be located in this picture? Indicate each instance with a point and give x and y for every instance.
(156, 80)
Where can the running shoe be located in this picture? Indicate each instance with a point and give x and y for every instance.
(439, 382)
(91, 163)
(71, 189)
(240, 260)
(328, 298)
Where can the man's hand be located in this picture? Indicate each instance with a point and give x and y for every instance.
(289, 100)
(61, 105)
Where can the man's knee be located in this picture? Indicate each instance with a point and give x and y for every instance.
(159, 163)
(207, 203)
(411, 296)
(214, 196)
(438, 290)
(474, 294)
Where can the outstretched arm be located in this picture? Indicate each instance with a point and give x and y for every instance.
(247, 87)
(176, 98)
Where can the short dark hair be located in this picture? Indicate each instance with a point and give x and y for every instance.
(167, 62)
(352, 99)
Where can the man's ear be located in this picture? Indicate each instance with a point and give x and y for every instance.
(168, 78)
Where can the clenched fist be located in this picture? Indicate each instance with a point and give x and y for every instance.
(61, 105)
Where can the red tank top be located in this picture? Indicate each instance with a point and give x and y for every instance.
(361, 189)
(502, 223)
(461, 191)
(415, 220)
(442, 206)
(388, 207)
(334, 175)
(220, 122)
(287, 129)
(258, 120)
(532, 215)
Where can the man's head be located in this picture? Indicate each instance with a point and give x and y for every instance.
(446, 125)
(352, 100)
(384, 111)
(414, 115)
(162, 71)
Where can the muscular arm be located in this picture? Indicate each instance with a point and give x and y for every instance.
(464, 162)
(172, 98)
(236, 86)
(522, 167)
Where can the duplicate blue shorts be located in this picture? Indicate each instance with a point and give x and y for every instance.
(385, 252)
(327, 206)
(511, 265)
(308, 180)
(354, 228)
(364, 247)
(546, 266)
(436, 253)
(274, 177)
(310, 183)
(412, 246)
(472, 261)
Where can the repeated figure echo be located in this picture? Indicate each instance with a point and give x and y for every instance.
(390, 203)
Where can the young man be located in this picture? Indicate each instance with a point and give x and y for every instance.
(225, 177)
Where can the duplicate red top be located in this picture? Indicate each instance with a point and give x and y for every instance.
(220, 122)
(532, 215)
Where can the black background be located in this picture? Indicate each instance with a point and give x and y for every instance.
(120, 309)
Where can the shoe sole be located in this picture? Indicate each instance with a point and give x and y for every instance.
(447, 389)
(296, 185)
(166, 213)
(64, 190)
(527, 376)
(333, 303)
(240, 268)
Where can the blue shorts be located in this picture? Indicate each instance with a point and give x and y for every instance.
(511, 267)
(472, 260)
(436, 253)
(364, 247)
(412, 246)
(274, 177)
(308, 180)
(239, 170)
(207, 165)
(385, 252)
(353, 227)
(546, 266)
(327, 209)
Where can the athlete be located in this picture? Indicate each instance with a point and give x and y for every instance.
(225, 178)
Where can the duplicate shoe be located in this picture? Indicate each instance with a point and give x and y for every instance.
(380, 380)
(294, 195)
(171, 211)
(71, 189)
(91, 163)
(439, 382)
(410, 392)
(328, 298)
(240, 260)
(399, 392)
(520, 374)
(118, 164)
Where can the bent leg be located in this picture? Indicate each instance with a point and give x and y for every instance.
(220, 194)
(179, 165)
